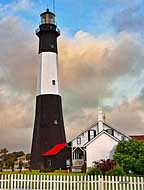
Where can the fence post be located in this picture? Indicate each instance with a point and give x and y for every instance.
(11, 181)
(100, 182)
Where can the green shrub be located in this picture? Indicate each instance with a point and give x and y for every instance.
(139, 166)
(130, 155)
(46, 170)
(93, 171)
(105, 165)
(117, 171)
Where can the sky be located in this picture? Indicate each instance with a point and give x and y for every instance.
(101, 58)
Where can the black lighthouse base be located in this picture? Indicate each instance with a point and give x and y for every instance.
(48, 131)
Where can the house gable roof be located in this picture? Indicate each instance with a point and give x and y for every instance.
(117, 130)
(101, 133)
(96, 123)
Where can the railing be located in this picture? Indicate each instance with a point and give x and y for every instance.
(58, 30)
(38, 30)
(79, 162)
(66, 182)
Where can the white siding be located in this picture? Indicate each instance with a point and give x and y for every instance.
(84, 137)
(48, 71)
(117, 134)
(101, 148)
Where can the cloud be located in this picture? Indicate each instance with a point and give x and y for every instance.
(14, 6)
(125, 2)
(23, 5)
(15, 120)
(130, 19)
(18, 55)
(89, 67)
(128, 117)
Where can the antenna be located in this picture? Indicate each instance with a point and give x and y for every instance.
(54, 6)
(47, 4)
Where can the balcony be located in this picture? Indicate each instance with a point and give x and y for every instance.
(38, 30)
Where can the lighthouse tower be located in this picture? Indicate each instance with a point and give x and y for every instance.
(49, 142)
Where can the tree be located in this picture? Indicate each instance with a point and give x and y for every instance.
(20, 165)
(19, 154)
(130, 155)
(1, 166)
(10, 164)
(10, 156)
(3, 152)
(28, 156)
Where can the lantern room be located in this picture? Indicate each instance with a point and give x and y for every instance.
(47, 17)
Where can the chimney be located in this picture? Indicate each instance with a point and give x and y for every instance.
(101, 119)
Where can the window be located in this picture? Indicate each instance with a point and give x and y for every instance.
(110, 131)
(47, 19)
(78, 154)
(49, 163)
(91, 134)
(55, 122)
(52, 46)
(53, 82)
(78, 140)
(68, 163)
(122, 138)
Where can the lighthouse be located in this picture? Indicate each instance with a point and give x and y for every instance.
(49, 148)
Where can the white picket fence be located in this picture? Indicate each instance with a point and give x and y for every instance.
(56, 182)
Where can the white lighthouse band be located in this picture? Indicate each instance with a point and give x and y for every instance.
(48, 74)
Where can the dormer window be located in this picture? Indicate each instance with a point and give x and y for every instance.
(78, 140)
(91, 134)
(110, 131)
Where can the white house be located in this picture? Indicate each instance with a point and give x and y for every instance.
(96, 143)
(22, 159)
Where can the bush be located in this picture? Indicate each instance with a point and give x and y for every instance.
(117, 171)
(130, 155)
(105, 165)
(139, 166)
(46, 170)
(93, 171)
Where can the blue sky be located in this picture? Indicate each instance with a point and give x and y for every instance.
(95, 17)
(101, 55)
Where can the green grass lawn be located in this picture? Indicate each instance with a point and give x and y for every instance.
(37, 172)
(58, 172)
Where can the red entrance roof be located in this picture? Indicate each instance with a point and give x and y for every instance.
(138, 137)
(55, 150)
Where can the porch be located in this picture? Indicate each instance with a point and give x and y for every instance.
(78, 159)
